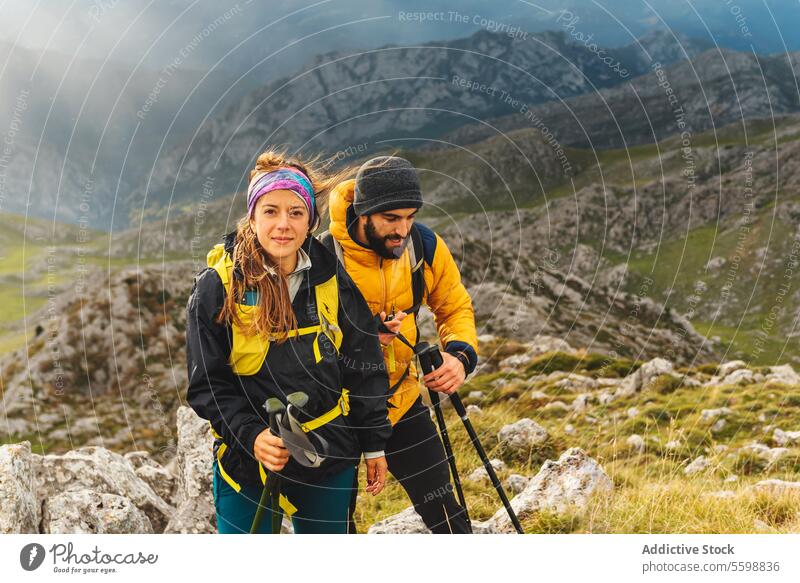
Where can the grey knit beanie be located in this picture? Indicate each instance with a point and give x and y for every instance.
(386, 183)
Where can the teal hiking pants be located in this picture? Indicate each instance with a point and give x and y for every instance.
(322, 508)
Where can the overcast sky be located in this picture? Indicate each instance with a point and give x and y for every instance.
(152, 33)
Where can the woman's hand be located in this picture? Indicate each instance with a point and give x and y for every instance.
(269, 450)
(393, 325)
(376, 474)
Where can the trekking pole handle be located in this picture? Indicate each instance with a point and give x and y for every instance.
(273, 407)
(430, 358)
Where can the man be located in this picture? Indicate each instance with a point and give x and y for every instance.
(373, 231)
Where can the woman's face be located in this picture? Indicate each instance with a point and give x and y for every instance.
(280, 220)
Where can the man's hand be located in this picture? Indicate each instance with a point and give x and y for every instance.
(376, 474)
(447, 378)
(393, 325)
(269, 450)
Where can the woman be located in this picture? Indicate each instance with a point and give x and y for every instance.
(273, 314)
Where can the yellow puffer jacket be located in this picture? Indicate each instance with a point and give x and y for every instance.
(386, 285)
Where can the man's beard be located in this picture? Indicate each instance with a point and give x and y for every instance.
(378, 243)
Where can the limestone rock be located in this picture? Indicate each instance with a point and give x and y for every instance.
(19, 508)
(718, 426)
(711, 414)
(727, 368)
(194, 516)
(783, 374)
(769, 454)
(559, 486)
(576, 382)
(557, 406)
(635, 442)
(194, 460)
(777, 487)
(102, 471)
(516, 361)
(698, 465)
(86, 511)
(646, 373)
(160, 479)
(743, 376)
(405, 522)
(194, 457)
(581, 402)
(522, 435)
(543, 343)
(784, 438)
(480, 474)
(516, 483)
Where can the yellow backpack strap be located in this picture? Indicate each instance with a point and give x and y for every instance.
(220, 452)
(327, 295)
(342, 408)
(222, 263)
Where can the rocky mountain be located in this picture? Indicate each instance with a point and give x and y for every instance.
(709, 230)
(706, 230)
(346, 101)
(105, 363)
(713, 89)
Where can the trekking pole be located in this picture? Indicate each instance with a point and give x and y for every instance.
(427, 367)
(271, 490)
(432, 353)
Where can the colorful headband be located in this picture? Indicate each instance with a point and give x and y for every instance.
(282, 179)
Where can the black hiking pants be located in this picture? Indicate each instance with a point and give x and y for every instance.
(416, 458)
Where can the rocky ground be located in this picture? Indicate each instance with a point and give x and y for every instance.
(582, 443)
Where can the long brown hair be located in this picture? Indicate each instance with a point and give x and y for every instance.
(274, 315)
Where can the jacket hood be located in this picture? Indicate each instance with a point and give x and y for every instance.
(343, 223)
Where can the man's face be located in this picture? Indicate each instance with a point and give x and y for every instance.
(387, 231)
